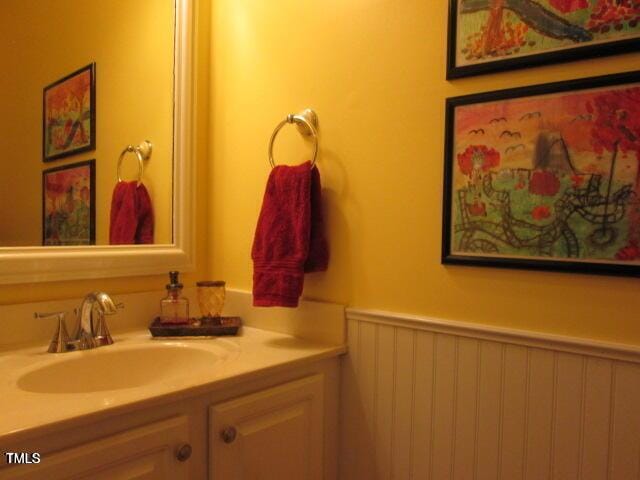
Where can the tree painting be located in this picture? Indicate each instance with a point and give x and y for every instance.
(69, 114)
(68, 199)
(489, 30)
(616, 130)
(553, 176)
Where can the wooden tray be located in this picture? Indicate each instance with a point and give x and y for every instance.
(199, 327)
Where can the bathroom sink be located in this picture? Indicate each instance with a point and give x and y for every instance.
(112, 368)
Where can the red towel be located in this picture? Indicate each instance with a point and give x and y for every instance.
(289, 238)
(131, 215)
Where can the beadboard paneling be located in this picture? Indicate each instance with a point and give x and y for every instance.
(434, 401)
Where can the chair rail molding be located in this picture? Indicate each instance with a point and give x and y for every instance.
(584, 346)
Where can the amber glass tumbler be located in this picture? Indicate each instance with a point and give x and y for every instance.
(211, 298)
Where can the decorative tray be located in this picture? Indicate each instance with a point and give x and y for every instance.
(199, 327)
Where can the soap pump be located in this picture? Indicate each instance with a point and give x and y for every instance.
(174, 308)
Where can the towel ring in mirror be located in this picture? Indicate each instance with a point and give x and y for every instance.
(307, 123)
(142, 152)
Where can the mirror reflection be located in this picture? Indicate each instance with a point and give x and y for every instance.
(84, 85)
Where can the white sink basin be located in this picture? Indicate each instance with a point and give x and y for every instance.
(112, 368)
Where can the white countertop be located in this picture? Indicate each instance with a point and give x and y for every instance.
(252, 353)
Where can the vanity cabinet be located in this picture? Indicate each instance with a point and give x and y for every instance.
(158, 451)
(280, 424)
(272, 434)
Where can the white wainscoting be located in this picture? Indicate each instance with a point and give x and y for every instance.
(433, 399)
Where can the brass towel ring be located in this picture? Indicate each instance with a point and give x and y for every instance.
(307, 123)
(143, 152)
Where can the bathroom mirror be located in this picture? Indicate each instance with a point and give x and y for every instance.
(95, 138)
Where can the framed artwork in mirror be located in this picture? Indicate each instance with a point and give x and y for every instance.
(68, 204)
(494, 35)
(545, 177)
(69, 115)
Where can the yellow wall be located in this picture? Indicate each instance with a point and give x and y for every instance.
(22, 293)
(42, 41)
(375, 72)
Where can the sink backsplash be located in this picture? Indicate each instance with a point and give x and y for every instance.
(19, 328)
(319, 321)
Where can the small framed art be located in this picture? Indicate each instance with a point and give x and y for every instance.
(68, 204)
(545, 177)
(494, 35)
(69, 115)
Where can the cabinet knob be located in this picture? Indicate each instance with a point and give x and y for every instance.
(229, 434)
(184, 452)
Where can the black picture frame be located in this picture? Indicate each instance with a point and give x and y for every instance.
(92, 199)
(568, 266)
(581, 52)
(91, 68)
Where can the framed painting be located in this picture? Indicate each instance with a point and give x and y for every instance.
(494, 35)
(545, 177)
(68, 204)
(69, 115)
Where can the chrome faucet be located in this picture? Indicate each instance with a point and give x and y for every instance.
(92, 331)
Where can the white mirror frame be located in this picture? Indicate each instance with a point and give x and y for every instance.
(41, 264)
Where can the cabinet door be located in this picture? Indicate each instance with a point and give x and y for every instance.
(273, 434)
(145, 453)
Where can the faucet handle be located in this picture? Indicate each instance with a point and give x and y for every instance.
(61, 342)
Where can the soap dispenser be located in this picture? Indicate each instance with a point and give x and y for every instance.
(174, 308)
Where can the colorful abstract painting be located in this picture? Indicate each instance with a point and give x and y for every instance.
(546, 177)
(490, 35)
(68, 204)
(69, 120)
